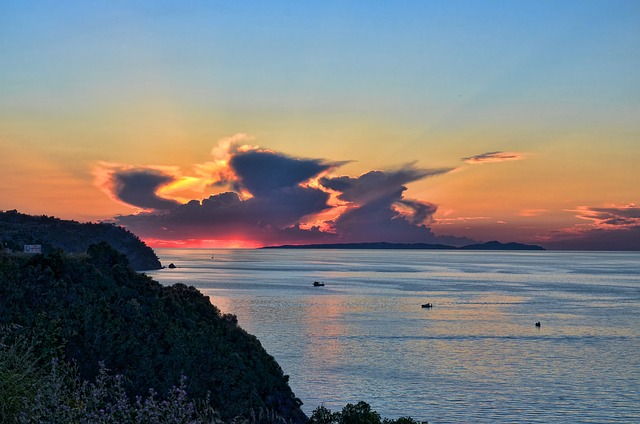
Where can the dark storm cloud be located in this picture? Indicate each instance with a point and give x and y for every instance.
(273, 194)
(138, 187)
(274, 211)
(262, 172)
(377, 221)
(375, 198)
(274, 180)
(421, 212)
(226, 216)
(376, 185)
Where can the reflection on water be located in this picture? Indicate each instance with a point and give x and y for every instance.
(476, 356)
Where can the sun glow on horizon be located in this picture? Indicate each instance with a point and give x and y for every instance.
(203, 244)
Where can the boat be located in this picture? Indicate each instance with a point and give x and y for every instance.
(318, 284)
(427, 305)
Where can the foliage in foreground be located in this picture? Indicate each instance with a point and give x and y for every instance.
(33, 391)
(63, 398)
(360, 413)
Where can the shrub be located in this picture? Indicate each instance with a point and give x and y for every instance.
(20, 374)
(64, 398)
(359, 413)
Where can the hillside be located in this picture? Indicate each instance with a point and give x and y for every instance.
(17, 230)
(99, 310)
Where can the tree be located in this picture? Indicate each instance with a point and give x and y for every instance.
(360, 413)
(322, 415)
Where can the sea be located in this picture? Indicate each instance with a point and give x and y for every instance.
(475, 356)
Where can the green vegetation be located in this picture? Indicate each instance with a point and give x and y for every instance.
(92, 308)
(17, 229)
(34, 391)
(360, 413)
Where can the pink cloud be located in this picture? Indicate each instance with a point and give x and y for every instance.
(532, 212)
(611, 216)
(610, 228)
(460, 220)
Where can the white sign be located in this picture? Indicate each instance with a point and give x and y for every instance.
(32, 248)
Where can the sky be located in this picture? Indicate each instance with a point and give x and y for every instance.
(242, 124)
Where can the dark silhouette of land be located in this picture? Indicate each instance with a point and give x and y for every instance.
(94, 308)
(491, 245)
(18, 229)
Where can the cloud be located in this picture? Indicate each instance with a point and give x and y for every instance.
(264, 173)
(611, 217)
(492, 157)
(378, 211)
(461, 219)
(415, 211)
(611, 228)
(377, 185)
(269, 201)
(136, 186)
(272, 198)
(532, 212)
(225, 216)
(228, 146)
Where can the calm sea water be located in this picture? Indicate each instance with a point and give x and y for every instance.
(476, 356)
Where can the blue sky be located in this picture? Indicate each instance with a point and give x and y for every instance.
(375, 85)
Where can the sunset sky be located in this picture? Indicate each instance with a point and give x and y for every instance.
(228, 123)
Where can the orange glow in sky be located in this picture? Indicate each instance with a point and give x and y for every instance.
(535, 116)
(202, 244)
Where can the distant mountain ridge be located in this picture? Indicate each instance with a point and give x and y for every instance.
(496, 245)
(490, 245)
(18, 229)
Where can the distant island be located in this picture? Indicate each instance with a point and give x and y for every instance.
(19, 232)
(490, 245)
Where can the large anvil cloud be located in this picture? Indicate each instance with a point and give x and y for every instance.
(273, 198)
